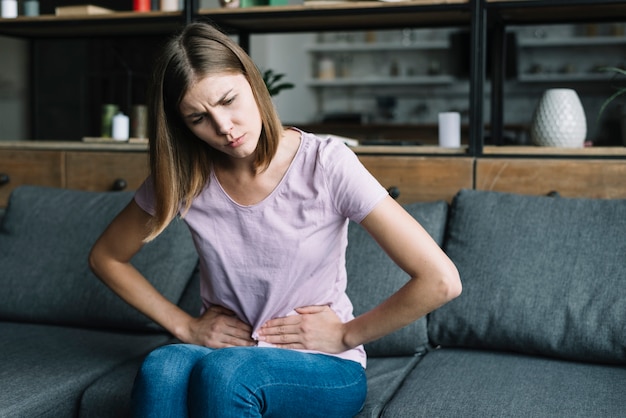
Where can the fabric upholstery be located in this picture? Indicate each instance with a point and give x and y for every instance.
(190, 300)
(471, 383)
(109, 396)
(45, 368)
(373, 276)
(384, 376)
(541, 275)
(45, 239)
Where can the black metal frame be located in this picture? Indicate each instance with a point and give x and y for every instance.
(486, 20)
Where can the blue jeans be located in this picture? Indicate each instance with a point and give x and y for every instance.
(183, 380)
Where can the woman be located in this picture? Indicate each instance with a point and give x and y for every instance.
(268, 208)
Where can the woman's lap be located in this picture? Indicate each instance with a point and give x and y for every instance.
(181, 380)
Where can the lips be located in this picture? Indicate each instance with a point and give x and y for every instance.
(237, 142)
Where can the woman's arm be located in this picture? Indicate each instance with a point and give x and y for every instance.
(434, 280)
(110, 261)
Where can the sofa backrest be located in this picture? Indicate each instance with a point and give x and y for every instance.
(541, 275)
(372, 277)
(45, 239)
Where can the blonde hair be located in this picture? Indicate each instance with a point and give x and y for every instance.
(180, 163)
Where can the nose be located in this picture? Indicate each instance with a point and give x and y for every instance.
(223, 124)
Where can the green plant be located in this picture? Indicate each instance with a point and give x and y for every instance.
(620, 89)
(273, 82)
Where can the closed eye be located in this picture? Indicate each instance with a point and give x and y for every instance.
(197, 119)
(229, 101)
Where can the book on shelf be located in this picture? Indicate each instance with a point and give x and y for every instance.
(81, 10)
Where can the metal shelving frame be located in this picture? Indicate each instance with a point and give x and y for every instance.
(485, 19)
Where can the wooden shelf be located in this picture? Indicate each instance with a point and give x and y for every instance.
(71, 146)
(353, 15)
(553, 151)
(112, 24)
(557, 11)
(408, 150)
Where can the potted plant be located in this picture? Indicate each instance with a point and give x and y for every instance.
(273, 82)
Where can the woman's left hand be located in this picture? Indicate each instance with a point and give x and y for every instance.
(315, 328)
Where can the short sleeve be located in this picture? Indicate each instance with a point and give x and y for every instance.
(354, 190)
(144, 196)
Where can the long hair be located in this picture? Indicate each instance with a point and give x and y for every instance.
(180, 163)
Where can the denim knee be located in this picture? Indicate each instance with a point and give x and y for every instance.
(219, 383)
(170, 362)
(161, 384)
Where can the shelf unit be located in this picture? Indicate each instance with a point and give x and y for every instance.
(500, 14)
(481, 17)
(363, 70)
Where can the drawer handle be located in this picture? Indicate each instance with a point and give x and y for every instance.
(4, 179)
(394, 192)
(119, 185)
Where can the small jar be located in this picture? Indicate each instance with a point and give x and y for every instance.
(30, 8)
(121, 127)
(9, 8)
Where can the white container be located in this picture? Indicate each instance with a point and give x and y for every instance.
(169, 5)
(326, 69)
(450, 129)
(121, 127)
(559, 120)
(9, 8)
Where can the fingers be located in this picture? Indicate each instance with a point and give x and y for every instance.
(315, 328)
(218, 327)
(221, 310)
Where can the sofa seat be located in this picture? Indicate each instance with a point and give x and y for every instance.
(44, 369)
(384, 376)
(457, 382)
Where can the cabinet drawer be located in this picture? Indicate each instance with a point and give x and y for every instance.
(570, 178)
(421, 179)
(103, 171)
(17, 167)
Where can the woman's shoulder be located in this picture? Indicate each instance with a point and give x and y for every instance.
(323, 145)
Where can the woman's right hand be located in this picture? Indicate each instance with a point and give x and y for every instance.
(219, 327)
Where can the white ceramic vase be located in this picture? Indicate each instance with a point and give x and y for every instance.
(559, 120)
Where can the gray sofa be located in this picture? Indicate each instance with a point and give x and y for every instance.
(540, 329)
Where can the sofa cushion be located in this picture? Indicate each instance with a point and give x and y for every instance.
(384, 376)
(541, 275)
(474, 383)
(373, 276)
(46, 368)
(110, 395)
(45, 239)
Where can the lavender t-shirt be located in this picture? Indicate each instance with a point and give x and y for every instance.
(264, 260)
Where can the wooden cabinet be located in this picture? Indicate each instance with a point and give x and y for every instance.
(71, 165)
(98, 171)
(568, 177)
(413, 178)
(124, 167)
(421, 178)
(19, 167)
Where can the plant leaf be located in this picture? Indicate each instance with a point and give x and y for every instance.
(610, 99)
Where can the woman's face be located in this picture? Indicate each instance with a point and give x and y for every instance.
(221, 111)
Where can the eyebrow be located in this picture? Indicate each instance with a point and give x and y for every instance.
(220, 100)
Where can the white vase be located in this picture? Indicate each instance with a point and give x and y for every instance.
(559, 120)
